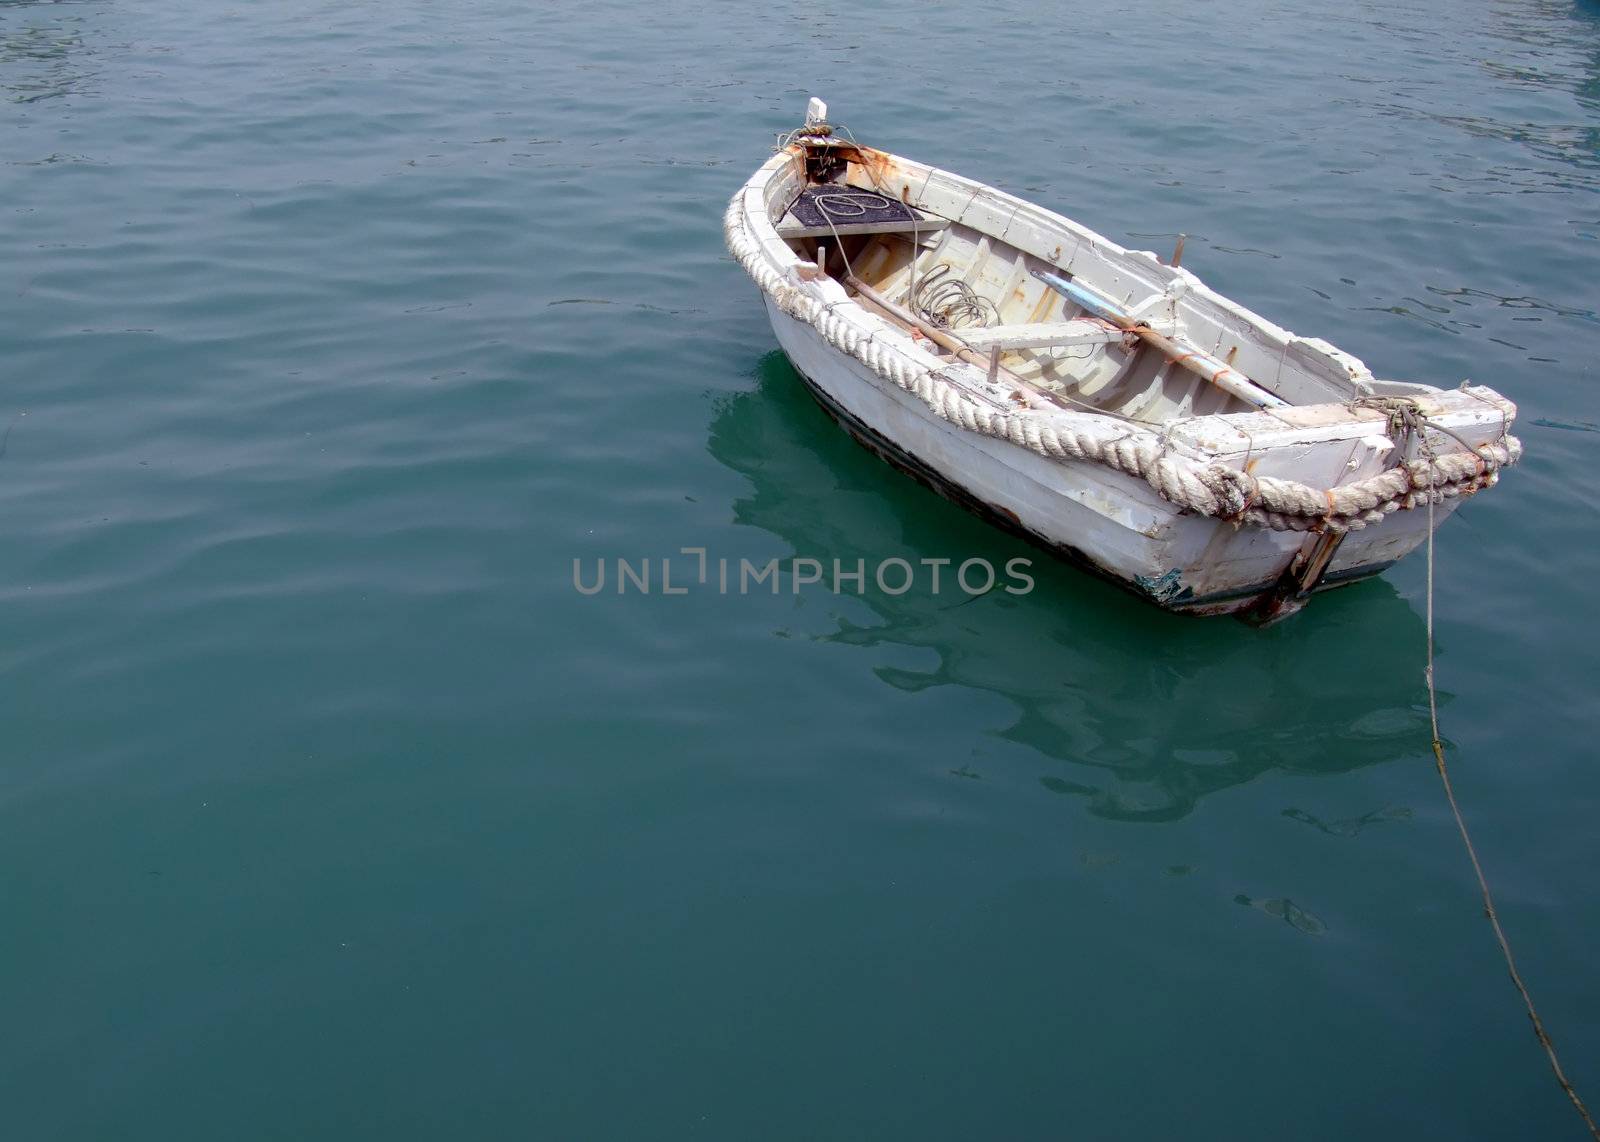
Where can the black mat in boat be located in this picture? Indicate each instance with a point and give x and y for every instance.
(843, 205)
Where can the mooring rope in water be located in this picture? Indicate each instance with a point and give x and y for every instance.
(1477, 868)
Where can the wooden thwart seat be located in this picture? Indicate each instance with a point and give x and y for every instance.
(1041, 335)
(794, 228)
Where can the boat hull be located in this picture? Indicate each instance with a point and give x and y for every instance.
(1099, 519)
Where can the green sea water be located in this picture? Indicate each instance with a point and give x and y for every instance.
(331, 334)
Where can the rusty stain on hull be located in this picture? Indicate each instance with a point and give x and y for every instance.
(876, 163)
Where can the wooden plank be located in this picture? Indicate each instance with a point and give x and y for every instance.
(1041, 335)
(1032, 396)
(789, 228)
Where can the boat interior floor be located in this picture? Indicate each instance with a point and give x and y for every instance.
(986, 295)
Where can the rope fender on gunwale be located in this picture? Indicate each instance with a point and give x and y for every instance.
(1208, 489)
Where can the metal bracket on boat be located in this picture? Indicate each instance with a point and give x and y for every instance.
(1299, 579)
(1168, 298)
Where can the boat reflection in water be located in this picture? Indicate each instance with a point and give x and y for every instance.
(1142, 713)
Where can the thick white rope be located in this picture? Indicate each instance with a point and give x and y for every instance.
(1214, 490)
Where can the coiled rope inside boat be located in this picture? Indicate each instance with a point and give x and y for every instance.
(1208, 489)
(950, 303)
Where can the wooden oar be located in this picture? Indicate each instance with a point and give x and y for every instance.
(1181, 350)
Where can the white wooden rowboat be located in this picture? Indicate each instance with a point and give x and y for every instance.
(1095, 399)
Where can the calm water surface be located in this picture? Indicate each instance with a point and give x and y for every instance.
(333, 332)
